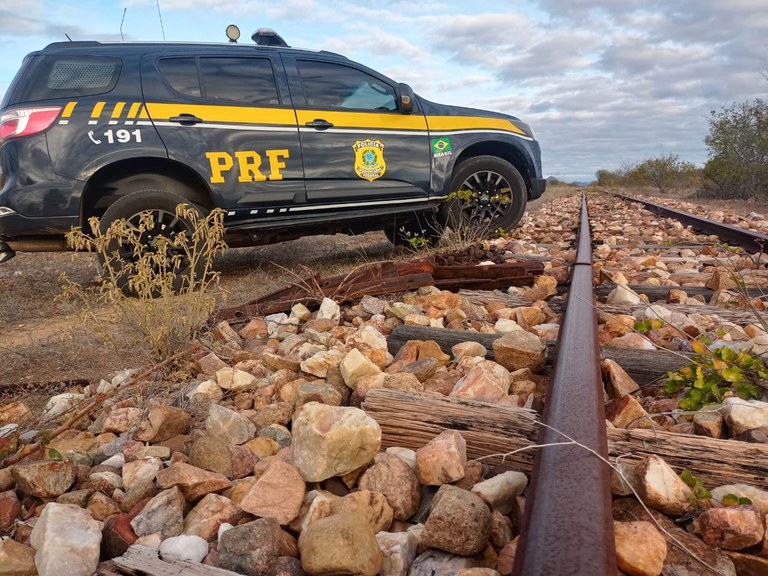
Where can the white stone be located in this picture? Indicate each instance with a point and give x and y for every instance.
(656, 311)
(329, 310)
(189, 548)
(223, 528)
(67, 541)
(60, 404)
(759, 497)
(229, 426)
(235, 380)
(116, 461)
(500, 491)
(622, 296)
(399, 550)
(661, 489)
(301, 312)
(354, 366)
(742, 415)
(208, 388)
(505, 325)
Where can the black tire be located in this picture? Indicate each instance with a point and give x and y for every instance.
(497, 201)
(162, 204)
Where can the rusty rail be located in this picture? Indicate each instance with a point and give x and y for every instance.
(752, 242)
(568, 527)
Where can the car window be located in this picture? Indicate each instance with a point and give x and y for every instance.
(245, 80)
(57, 76)
(328, 85)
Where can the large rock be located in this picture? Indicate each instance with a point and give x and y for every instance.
(661, 489)
(743, 415)
(331, 440)
(617, 381)
(46, 479)
(228, 426)
(139, 471)
(340, 544)
(486, 382)
(164, 513)
(194, 482)
(442, 460)
(640, 548)
(210, 513)
(371, 505)
(459, 523)
(163, 423)
(731, 528)
(66, 541)
(677, 561)
(278, 493)
(520, 349)
(254, 548)
(10, 510)
(354, 366)
(16, 559)
(393, 477)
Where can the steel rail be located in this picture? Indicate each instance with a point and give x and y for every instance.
(752, 242)
(568, 526)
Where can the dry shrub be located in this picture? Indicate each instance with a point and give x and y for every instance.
(161, 287)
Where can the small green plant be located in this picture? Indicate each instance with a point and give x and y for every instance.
(418, 242)
(168, 279)
(648, 325)
(696, 485)
(714, 374)
(734, 500)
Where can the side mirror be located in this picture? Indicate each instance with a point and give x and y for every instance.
(406, 98)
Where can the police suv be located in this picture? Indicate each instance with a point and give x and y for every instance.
(287, 142)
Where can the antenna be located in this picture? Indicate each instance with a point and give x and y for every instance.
(121, 24)
(160, 15)
(67, 35)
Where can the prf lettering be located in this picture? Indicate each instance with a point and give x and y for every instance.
(248, 164)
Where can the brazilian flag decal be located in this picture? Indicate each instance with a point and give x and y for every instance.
(441, 145)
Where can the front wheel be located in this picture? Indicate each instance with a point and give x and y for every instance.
(487, 196)
(152, 227)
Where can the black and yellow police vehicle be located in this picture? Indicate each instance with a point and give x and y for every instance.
(287, 142)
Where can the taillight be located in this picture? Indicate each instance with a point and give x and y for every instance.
(26, 121)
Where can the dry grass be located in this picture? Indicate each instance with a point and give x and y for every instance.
(43, 340)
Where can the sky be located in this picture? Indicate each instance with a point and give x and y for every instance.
(604, 83)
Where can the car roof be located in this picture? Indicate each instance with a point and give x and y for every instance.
(117, 47)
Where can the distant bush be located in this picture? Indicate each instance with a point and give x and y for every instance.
(738, 151)
(666, 173)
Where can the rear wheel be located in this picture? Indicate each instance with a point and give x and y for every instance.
(487, 196)
(165, 223)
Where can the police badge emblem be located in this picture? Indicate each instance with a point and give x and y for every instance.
(369, 159)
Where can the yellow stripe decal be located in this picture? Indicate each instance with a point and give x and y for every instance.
(234, 114)
(143, 113)
(442, 123)
(68, 109)
(363, 119)
(97, 109)
(134, 110)
(118, 109)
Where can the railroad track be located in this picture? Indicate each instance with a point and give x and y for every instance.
(578, 537)
(568, 523)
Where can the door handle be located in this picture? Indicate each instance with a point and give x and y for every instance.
(186, 119)
(319, 124)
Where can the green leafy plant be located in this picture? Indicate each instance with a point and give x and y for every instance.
(696, 485)
(169, 279)
(715, 373)
(54, 454)
(418, 242)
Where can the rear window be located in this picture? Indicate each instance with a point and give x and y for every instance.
(67, 76)
(242, 80)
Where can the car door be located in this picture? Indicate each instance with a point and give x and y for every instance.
(356, 145)
(229, 116)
